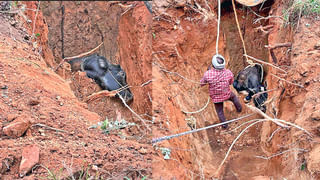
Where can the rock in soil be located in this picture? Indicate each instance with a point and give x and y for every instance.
(30, 157)
(17, 128)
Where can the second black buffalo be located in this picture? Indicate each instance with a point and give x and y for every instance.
(108, 76)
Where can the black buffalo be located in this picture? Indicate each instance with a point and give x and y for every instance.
(251, 80)
(108, 76)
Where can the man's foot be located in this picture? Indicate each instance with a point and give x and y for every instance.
(225, 126)
(246, 100)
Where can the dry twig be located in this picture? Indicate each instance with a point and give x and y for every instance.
(279, 122)
(263, 62)
(271, 47)
(264, 92)
(101, 93)
(267, 158)
(273, 133)
(129, 7)
(266, 18)
(240, 126)
(254, 109)
(175, 73)
(287, 81)
(142, 120)
(78, 56)
(235, 140)
(146, 83)
(264, 29)
(48, 127)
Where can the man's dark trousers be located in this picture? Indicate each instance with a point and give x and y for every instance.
(219, 108)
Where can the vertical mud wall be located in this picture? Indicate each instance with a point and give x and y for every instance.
(85, 25)
(293, 103)
(135, 49)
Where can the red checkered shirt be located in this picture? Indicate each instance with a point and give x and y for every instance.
(219, 81)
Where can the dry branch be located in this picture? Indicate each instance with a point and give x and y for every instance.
(279, 122)
(240, 126)
(263, 62)
(270, 100)
(254, 109)
(78, 56)
(287, 81)
(129, 7)
(267, 158)
(142, 120)
(273, 133)
(235, 140)
(48, 127)
(264, 29)
(146, 83)
(271, 47)
(175, 73)
(264, 92)
(266, 18)
(101, 93)
(106, 93)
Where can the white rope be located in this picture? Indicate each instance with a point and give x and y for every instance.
(194, 112)
(218, 30)
(156, 140)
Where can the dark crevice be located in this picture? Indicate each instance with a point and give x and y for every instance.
(62, 33)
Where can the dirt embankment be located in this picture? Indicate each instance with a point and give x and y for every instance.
(299, 105)
(184, 42)
(31, 92)
(123, 29)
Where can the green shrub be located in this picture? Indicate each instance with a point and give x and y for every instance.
(298, 8)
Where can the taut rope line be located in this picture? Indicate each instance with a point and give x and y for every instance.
(156, 140)
(218, 30)
(241, 37)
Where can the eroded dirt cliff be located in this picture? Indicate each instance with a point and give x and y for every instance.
(123, 29)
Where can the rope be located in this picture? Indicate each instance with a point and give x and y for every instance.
(250, 62)
(121, 86)
(194, 112)
(218, 31)
(156, 140)
(217, 52)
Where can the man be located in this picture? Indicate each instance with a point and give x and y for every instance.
(219, 80)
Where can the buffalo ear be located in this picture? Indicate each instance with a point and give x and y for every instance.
(75, 65)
